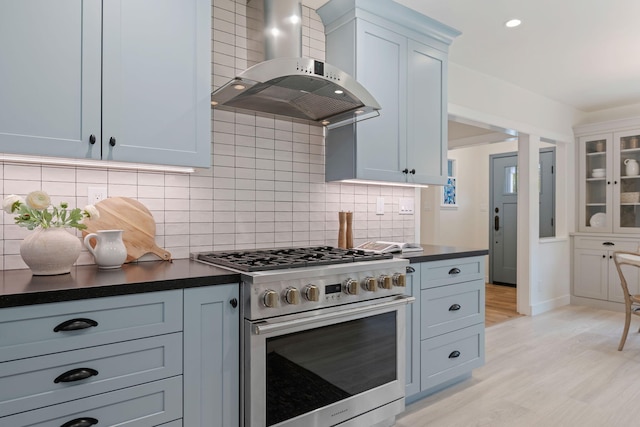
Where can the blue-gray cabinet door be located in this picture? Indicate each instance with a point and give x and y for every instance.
(382, 69)
(211, 356)
(50, 77)
(157, 81)
(427, 146)
(412, 372)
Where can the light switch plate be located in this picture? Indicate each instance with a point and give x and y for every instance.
(406, 206)
(380, 206)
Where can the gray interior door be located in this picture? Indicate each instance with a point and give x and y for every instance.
(504, 214)
(547, 192)
(504, 210)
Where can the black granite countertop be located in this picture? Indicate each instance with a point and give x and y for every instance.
(439, 252)
(20, 287)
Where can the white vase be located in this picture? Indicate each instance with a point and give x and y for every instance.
(49, 251)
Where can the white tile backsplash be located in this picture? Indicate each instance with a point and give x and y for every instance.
(266, 187)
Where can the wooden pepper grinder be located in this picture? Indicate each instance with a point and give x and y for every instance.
(349, 230)
(342, 230)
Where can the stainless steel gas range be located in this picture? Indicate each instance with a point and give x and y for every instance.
(323, 337)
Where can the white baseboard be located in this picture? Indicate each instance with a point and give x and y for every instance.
(550, 304)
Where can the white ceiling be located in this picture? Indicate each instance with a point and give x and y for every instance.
(585, 54)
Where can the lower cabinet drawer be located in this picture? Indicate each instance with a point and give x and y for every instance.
(447, 308)
(50, 328)
(448, 356)
(606, 244)
(27, 384)
(146, 405)
(449, 271)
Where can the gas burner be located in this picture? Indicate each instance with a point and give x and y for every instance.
(283, 258)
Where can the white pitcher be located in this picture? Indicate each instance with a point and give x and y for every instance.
(632, 168)
(109, 251)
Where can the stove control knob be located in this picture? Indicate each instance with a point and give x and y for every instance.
(351, 287)
(385, 282)
(400, 279)
(370, 284)
(270, 298)
(312, 293)
(292, 296)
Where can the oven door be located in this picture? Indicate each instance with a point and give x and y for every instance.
(325, 367)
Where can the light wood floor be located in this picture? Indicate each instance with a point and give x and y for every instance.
(560, 368)
(500, 304)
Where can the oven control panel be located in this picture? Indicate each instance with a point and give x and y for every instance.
(297, 294)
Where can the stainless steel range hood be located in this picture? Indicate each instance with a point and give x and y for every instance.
(289, 85)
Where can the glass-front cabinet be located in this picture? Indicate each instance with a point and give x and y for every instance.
(610, 182)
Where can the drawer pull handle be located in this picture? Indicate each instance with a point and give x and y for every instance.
(455, 307)
(454, 354)
(80, 422)
(410, 269)
(608, 244)
(75, 324)
(75, 375)
(454, 270)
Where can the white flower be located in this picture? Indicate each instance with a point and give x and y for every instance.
(11, 203)
(92, 212)
(38, 211)
(38, 200)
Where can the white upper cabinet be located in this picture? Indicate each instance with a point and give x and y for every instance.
(113, 80)
(400, 56)
(609, 177)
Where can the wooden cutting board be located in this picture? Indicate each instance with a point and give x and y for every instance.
(123, 213)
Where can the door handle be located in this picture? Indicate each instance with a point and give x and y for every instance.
(496, 223)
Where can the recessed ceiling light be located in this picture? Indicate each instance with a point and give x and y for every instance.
(214, 103)
(339, 92)
(238, 87)
(325, 122)
(512, 23)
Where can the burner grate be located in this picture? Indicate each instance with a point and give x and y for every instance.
(283, 258)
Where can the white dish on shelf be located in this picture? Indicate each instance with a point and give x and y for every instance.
(598, 220)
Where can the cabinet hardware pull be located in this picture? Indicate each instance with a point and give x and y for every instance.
(604, 256)
(615, 182)
(92, 139)
(454, 270)
(76, 375)
(609, 244)
(412, 171)
(410, 269)
(80, 422)
(75, 324)
(608, 182)
(233, 302)
(455, 307)
(112, 141)
(405, 171)
(454, 354)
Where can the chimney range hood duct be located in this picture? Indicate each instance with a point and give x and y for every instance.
(289, 85)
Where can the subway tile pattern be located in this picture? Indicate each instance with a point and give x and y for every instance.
(266, 185)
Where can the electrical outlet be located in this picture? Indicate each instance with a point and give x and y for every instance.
(95, 194)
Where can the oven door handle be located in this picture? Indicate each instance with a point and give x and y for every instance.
(265, 328)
